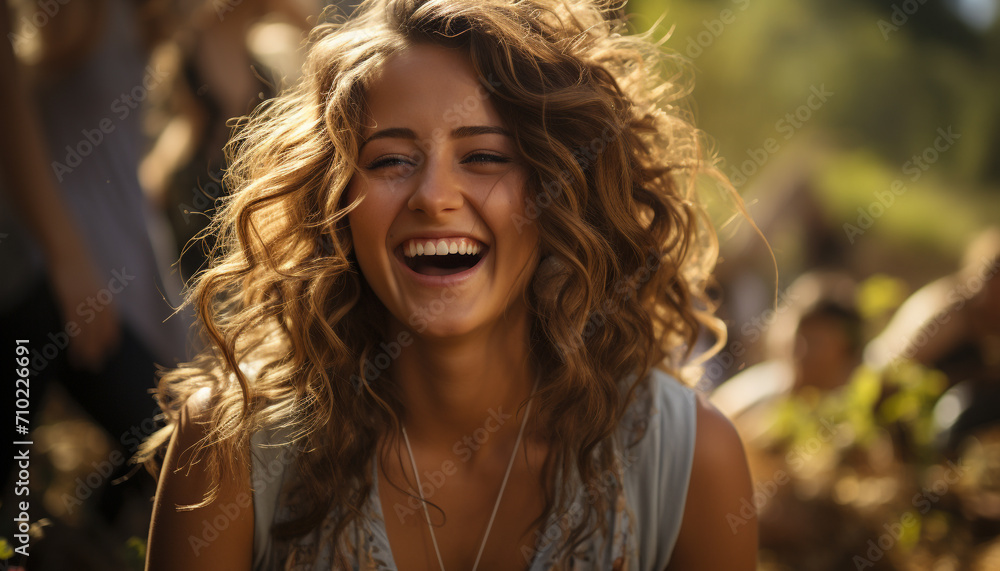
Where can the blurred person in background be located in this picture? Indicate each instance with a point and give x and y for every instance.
(219, 64)
(84, 255)
(953, 325)
(814, 344)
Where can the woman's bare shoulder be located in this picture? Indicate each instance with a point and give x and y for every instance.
(217, 536)
(720, 482)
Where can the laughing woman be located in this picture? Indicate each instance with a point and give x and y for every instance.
(458, 276)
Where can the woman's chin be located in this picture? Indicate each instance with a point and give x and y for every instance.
(445, 328)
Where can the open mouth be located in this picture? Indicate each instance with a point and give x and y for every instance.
(442, 257)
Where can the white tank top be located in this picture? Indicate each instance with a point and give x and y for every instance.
(644, 522)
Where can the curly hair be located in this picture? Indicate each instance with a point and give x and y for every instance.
(612, 157)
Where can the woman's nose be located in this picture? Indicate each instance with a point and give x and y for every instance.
(438, 189)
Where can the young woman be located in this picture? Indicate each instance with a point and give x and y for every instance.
(458, 276)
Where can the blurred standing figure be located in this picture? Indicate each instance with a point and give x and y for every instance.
(84, 276)
(212, 75)
(953, 325)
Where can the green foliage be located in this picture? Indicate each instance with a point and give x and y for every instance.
(911, 406)
(879, 296)
(866, 448)
(901, 398)
(757, 61)
(134, 553)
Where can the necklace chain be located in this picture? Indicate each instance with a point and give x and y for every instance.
(496, 506)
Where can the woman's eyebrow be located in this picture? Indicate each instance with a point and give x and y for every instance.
(457, 133)
(472, 131)
(392, 133)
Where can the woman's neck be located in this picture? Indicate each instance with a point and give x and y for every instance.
(450, 388)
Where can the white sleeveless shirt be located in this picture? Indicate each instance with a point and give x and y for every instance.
(644, 521)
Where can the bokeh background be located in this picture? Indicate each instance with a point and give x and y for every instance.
(862, 366)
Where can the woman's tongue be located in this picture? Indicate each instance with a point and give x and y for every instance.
(443, 265)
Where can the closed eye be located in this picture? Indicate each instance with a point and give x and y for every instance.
(389, 161)
(485, 158)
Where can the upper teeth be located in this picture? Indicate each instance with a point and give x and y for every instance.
(440, 247)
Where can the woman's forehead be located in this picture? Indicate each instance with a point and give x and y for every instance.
(425, 84)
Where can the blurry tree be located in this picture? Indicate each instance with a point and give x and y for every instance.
(893, 73)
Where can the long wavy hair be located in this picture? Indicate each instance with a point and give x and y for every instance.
(287, 316)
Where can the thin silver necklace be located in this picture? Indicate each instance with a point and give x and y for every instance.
(496, 506)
